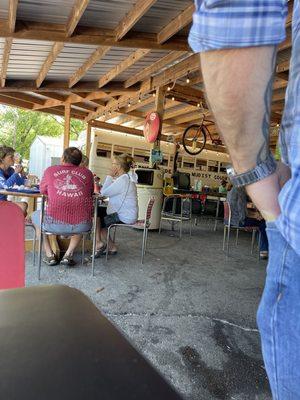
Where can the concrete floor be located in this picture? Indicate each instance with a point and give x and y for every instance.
(188, 309)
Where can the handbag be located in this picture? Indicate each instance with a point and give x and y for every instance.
(113, 218)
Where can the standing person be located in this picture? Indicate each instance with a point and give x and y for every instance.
(238, 44)
(69, 188)
(120, 188)
(10, 176)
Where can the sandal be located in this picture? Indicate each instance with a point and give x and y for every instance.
(52, 260)
(99, 252)
(68, 261)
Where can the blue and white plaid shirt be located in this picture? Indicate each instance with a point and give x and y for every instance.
(221, 24)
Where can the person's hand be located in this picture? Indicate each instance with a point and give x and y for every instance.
(283, 172)
(18, 169)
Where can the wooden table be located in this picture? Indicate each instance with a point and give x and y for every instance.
(56, 345)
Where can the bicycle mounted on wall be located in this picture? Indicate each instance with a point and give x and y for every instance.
(195, 136)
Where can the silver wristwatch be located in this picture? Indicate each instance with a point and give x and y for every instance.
(261, 171)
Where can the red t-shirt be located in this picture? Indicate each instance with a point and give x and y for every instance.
(69, 189)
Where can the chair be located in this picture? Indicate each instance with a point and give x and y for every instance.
(84, 235)
(31, 226)
(228, 227)
(12, 249)
(172, 216)
(140, 224)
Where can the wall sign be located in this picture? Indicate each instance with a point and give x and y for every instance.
(151, 127)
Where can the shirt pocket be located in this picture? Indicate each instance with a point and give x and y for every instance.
(215, 3)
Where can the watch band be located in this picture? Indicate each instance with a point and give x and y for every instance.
(261, 171)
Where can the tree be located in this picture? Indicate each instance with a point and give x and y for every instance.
(19, 128)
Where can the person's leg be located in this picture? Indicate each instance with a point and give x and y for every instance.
(278, 318)
(50, 258)
(74, 242)
(100, 234)
(23, 205)
(111, 244)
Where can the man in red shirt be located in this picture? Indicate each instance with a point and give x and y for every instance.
(69, 188)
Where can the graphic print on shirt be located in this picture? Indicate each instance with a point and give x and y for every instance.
(69, 183)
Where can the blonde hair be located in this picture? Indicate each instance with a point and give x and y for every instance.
(125, 161)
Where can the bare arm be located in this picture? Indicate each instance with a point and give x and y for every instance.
(239, 89)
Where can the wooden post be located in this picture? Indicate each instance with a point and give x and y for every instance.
(67, 125)
(88, 140)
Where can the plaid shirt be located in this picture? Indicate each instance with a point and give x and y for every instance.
(220, 24)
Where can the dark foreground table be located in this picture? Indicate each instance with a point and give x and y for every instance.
(55, 344)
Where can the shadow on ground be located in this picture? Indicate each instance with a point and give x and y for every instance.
(188, 309)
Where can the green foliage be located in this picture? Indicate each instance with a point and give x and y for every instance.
(18, 128)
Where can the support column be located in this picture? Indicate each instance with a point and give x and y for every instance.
(88, 140)
(67, 125)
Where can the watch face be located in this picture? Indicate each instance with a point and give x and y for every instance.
(230, 171)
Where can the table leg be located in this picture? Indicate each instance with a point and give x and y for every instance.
(41, 236)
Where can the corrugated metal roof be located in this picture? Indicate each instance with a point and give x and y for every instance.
(26, 58)
(106, 14)
(162, 12)
(55, 11)
(4, 9)
(112, 58)
(69, 60)
(149, 59)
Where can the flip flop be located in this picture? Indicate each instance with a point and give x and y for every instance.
(52, 260)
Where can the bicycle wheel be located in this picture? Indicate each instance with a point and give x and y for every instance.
(194, 139)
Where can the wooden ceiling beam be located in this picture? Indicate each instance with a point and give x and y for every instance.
(77, 11)
(88, 64)
(12, 15)
(25, 97)
(131, 18)
(5, 60)
(74, 18)
(54, 52)
(11, 22)
(153, 68)
(92, 36)
(15, 102)
(122, 66)
(111, 89)
(178, 23)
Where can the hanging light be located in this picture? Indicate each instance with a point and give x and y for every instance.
(173, 98)
(198, 105)
(169, 88)
(109, 113)
(153, 94)
(188, 77)
(140, 99)
(129, 103)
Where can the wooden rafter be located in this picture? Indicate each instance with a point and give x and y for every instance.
(57, 47)
(131, 18)
(74, 18)
(12, 15)
(88, 64)
(178, 23)
(11, 22)
(91, 36)
(153, 68)
(55, 50)
(122, 66)
(5, 60)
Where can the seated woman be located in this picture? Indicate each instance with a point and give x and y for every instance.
(120, 188)
(69, 188)
(10, 176)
